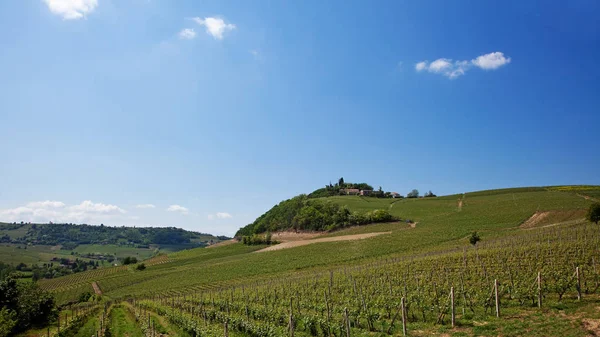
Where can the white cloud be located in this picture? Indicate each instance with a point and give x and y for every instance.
(72, 9)
(89, 206)
(46, 204)
(220, 215)
(145, 206)
(56, 211)
(187, 34)
(491, 61)
(177, 208)
(453, 69)
(215, 26)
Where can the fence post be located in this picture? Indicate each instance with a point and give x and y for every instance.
(402, 304)
(578, 284)
(347, 321)
(226, 331)
(539, 282)
(452, 305)
(497, 298)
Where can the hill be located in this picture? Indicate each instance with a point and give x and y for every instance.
(197, 290)
(51, 250)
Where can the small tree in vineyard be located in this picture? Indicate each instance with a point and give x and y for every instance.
(474, 238)
(593, 213)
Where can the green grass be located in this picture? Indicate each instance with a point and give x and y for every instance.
(122, 323)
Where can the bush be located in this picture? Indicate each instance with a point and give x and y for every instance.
(474, 238)
(140, 267)
(130, 260)
(593, 214)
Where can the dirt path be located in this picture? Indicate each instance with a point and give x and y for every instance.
(588, 197)
(96, 288)
(291, 244)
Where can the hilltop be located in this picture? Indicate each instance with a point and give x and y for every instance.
(316, 211)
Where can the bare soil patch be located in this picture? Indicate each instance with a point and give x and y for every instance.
(592, 326)
(288, 236)
(553, 218)
(535, 219)
(96, 288)
(298, 243)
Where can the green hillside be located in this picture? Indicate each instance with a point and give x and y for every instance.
(368, 277)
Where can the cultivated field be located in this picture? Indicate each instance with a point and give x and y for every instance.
(525, 277)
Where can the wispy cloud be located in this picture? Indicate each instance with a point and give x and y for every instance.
(216, 27)
(57, 211)
(72, 9)
(187, 34)
(453, 69)
(220, 215)
(178, 208)
(143, 206)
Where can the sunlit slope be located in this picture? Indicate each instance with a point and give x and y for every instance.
(441, 223)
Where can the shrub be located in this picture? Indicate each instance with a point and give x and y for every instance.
(140, 267)
(593, 214)
(474, 238)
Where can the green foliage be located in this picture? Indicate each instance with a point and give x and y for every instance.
(8, 321)
(413, 194)
(24, 305)
(302, 213)
(130, 260)
(474, 238)
(72, 235)
(84, 297)
(140, 267)
(593, 214)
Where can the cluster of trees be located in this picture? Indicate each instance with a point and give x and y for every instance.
(331, 190)
(256, 239)
(63, 266)
(130, 260)
(304, 213)
(415, 194)
(24, 305)
(72, 235)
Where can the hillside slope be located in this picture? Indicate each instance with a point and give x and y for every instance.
(442, 225)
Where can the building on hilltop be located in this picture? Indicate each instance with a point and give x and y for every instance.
(395, 195)
(350, 191)
(366, 192)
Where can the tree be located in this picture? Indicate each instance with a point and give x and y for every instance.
(593, 214)
(474, 238)
(341, 182)
(413, 194)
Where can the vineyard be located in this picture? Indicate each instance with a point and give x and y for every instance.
(411, 281)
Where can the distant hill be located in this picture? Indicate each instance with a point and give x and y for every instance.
(69, 236)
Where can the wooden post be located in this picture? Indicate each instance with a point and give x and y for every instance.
(497, 298)
(347, 322)
(452, 305)
(48, 331)
(403, 305)
(226, 330)
(539, 282)
(578, 284)
(291, 317)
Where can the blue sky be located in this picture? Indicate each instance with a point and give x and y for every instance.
(204, 114)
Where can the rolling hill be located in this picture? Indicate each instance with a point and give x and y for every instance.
(368, 277)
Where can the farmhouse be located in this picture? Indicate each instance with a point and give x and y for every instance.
(366, 192)
(395, 195)
(350, 191)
